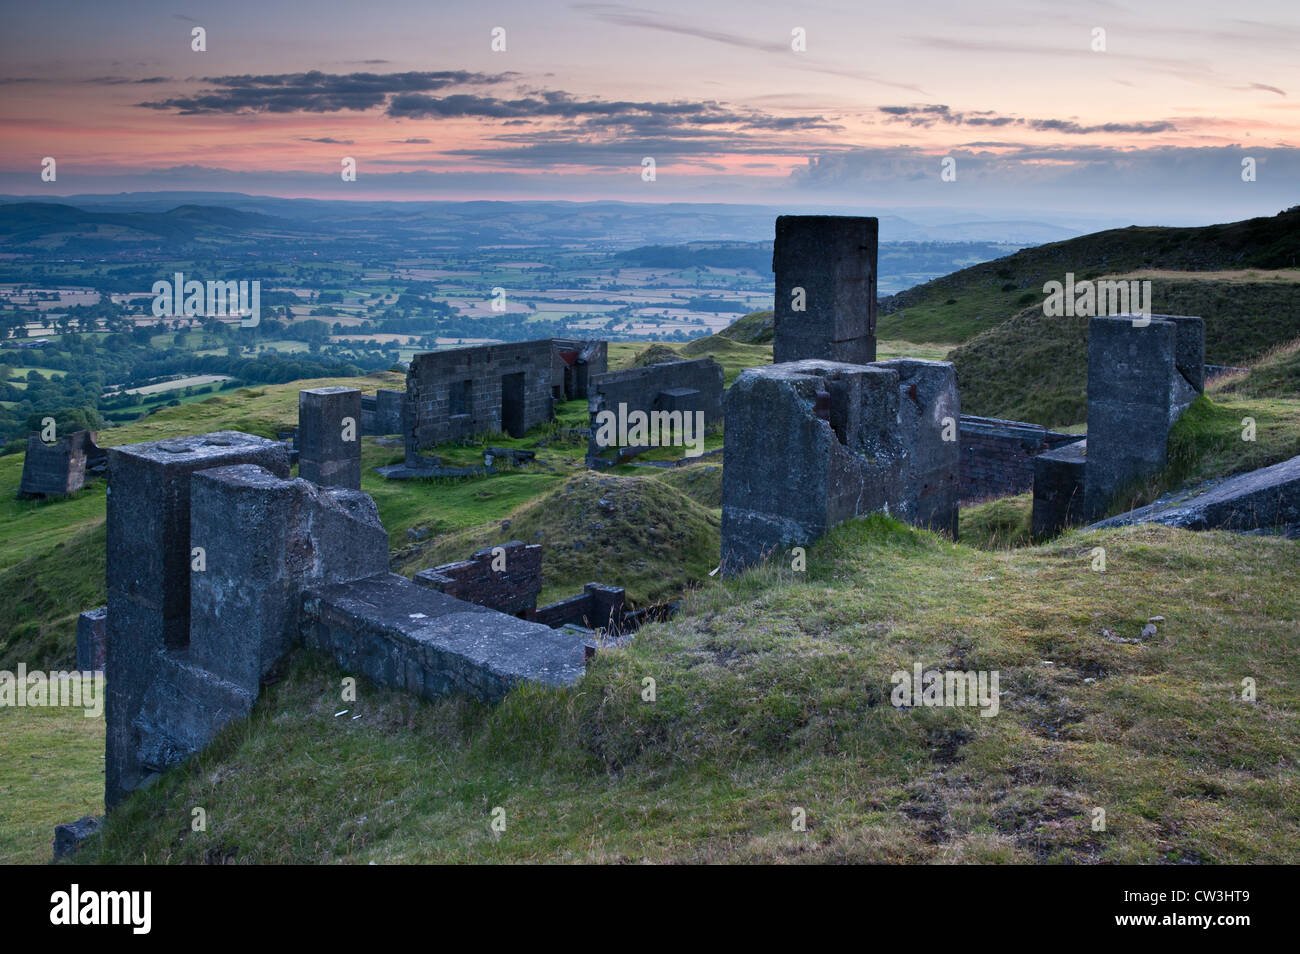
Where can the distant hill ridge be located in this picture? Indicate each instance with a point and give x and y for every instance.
(960, 305)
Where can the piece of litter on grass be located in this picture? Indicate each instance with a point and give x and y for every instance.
(342, 712)
(417, 616)
(356, 717)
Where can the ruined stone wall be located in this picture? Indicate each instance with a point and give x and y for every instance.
(381, 412)
(686, 386)
(597, 607)
(812, 443)
(997, 457)
(512, 589)
(459, 393)
(51, 470)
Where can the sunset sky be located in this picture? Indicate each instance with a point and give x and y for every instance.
(1154, 128)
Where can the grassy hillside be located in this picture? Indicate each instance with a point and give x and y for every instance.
(959, 306)
(773, 693)
(1035, 368)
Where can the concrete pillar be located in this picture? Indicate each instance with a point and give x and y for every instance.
(329, 436)
(148, 572)
(832, 258)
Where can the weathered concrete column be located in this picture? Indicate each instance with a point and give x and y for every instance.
(1135, 394)
(811, 444)
(264, 540)
(148, 572)
(929, 413)
(832, 259)
(329, 436)
(1058, 489)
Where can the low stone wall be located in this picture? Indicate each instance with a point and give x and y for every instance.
(506, 578)
(997, 457)
(597, 607)
(405, 636)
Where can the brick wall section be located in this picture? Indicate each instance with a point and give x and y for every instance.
(997, 457)
(597, 607)
(512, 589)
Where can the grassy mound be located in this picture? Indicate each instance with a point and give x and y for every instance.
(655, 354)
(1035, 368)
(635, 532)
(1276, 374)
(773, 694)
(758, 327)
(700, 482)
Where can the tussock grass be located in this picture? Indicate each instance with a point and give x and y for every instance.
(773, 693)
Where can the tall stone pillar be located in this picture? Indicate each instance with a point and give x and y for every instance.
(825, 269)
(329, 437)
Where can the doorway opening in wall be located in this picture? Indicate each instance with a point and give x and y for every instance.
(512, 404)
(459, 397)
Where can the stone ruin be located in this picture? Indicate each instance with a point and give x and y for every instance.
(825, 270)
(659, 391)
(329, 436)
(219, 564)
(1142, 375)
(515, 586)
(813, 443)
(381, 412)
(829, 433)
(498, 388)
(60, 468)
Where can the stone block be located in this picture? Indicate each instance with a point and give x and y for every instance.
(264, 540)
(148, 570)
(833, 259)
(1058, 489)
(92, 639)
(329, 436)
(1264, 498)
(405, 636)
